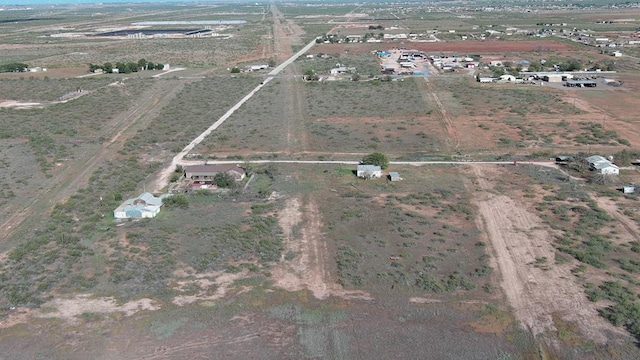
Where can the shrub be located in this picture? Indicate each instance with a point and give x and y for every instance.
(176, 201)
(376, 158)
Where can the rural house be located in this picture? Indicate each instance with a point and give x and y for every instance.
(206, 173)
(602, 165)
(144, 206)
(368, 171)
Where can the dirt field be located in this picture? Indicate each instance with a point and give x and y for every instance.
(460, 47)
(536, 295)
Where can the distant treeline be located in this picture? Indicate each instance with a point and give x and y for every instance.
(126, 68)
(13, 67)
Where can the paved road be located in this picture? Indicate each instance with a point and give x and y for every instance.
(178, 158)
(350, 162)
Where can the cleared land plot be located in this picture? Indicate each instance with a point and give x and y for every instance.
(360, 116)
(260, 125)
(496, 116)
(570, 243)
(365, 64)
(416, 237)
(39, 90)
(68, 126)
(324, 117)
(194, 109)
(20, 175)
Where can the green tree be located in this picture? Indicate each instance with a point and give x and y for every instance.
(13, 67)
(93, 68)
(142, 64)
(235, 70)
(121, 67)
(497, 71)
(535, 67)
(311, 75)
(224, 180)
(107, 67)
(132, 66)
(376, 158)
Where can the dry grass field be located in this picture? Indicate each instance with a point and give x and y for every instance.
(304, 260)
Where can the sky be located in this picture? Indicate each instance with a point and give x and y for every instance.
(6, 3)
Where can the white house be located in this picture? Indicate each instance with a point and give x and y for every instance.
(259, 67)
(486, 79)
(606, 168)
(144, 206)
(341, 70)
(602, 165)
(507, 77)
(368, 171)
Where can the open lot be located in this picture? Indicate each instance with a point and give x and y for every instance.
(458, 260)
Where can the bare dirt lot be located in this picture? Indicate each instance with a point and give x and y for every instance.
(519, 239)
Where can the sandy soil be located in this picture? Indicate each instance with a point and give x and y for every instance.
(221, 280)
(19, 105)
(307, 269)
(70, 308)
(518, 238)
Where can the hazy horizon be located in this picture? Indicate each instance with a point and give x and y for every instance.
(5, 3)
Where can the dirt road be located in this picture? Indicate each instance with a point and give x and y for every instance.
(302, 265)
(453, 139)
(631, 231)
(521, 240)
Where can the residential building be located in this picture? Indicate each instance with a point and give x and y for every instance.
(369, 171)
(143, 206)
(206, 173)
(602, 165)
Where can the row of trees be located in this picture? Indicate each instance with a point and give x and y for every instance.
(126, 68)
(14, 67)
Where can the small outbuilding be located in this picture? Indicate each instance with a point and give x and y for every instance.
(552, 78)
(394, 176)
(507, 78)
(628, 189)
(581, 83)
(563, 159)
(368, 171)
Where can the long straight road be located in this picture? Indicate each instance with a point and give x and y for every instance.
(161, 182)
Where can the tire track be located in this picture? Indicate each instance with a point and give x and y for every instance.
(449, 126)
